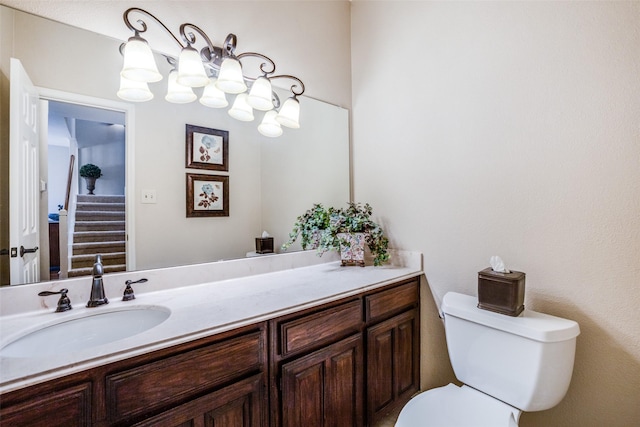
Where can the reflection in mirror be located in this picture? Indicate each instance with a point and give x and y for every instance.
(271, 181)
(95, 137)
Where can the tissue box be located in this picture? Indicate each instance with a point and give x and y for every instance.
(264, 245)
(501, 292)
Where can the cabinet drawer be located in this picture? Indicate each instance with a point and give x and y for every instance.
(320, 328)
(70, 406)
(145, 389)
(381, 305)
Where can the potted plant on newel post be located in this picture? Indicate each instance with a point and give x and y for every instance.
(90, 173)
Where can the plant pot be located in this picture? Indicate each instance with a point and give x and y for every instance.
(352, 248)
(91, 184)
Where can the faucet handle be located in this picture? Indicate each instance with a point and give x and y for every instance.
(128, 291)
(64, 303)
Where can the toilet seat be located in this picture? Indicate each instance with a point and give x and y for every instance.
(453, 406)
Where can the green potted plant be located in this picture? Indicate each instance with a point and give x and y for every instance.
(350, 229)
(90, 173)
(309, 227)
(346, 230)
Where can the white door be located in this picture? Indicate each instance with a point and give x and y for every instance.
(23, 177)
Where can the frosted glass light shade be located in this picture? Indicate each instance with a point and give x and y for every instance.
(177, 93)
(191, 69)
(260, 94)
(212, 96)
(139, 64)
(289, 114)
(270, 126)
(230, 79)
(241, 110)
(131, 90)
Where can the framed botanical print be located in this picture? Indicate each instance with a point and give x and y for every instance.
(207, 195)
(207, 148)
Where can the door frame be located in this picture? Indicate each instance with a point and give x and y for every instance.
(129, 111)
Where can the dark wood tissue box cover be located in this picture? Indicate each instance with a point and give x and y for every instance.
(264, 245)
(501, 292)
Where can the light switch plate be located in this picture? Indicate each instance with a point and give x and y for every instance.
(149, 196)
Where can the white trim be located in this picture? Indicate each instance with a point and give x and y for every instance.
(129, 110)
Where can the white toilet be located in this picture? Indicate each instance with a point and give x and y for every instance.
(508, 365)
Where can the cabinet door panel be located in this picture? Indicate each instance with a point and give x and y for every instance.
(241, 404)
(405, 367)
(380, 356)
(392, 363)
(324, 388)
(303, 393)
(342, 389)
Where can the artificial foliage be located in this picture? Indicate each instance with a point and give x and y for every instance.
(319, 227)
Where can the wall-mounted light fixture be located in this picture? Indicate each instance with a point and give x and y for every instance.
(216, 69)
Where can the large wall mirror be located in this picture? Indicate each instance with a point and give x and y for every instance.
(271, 180)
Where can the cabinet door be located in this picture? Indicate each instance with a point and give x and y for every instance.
(66, 407)
(241, 404)
(324, 388)
(392, 364)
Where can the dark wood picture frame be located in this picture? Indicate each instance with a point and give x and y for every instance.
(207, 148)
(208, 201)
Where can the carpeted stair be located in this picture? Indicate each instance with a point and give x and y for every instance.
(99, 229)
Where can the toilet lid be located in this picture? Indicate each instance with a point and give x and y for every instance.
(453, 406)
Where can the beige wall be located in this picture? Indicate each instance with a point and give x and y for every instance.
(512, 129)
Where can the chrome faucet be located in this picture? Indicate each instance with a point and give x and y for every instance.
(97, 287)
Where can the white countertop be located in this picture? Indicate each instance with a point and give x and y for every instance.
(197, 310)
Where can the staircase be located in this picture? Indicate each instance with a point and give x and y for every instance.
(99, 229)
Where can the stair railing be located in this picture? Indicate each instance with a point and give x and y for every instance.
(66, 222)
(72, 160)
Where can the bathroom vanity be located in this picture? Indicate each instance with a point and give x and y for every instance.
(304, 345)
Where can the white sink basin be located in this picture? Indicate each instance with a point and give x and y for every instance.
(88, 331)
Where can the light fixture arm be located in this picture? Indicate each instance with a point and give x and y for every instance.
(299, 86)
(230, 44)
(143, 24)
(266, 68)
(217, 69)
(209, 52)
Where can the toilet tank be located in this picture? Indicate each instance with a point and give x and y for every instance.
(525, 361)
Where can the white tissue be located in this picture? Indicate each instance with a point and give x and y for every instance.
(498, 265)
(265, 234)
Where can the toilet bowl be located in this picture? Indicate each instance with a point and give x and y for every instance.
(507, 365)
(453, 406)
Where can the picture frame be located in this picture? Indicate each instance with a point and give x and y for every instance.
(207, 195)
(207, 148)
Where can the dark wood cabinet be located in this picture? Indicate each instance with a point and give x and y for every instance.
(217, 381)
(393, 348)
(392, 364)
(324, 388)
(317, 354)
(345, 363)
